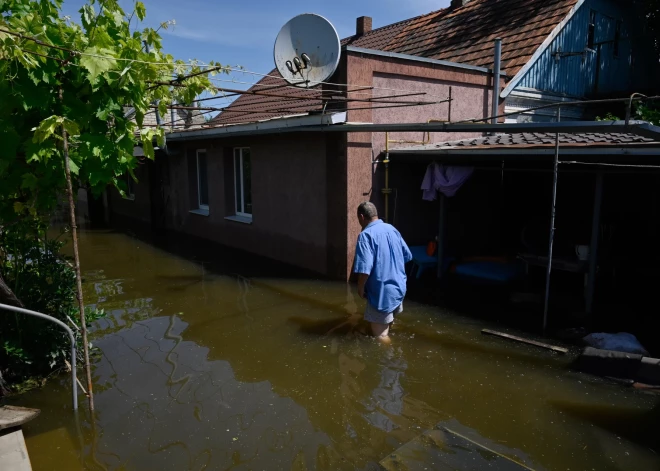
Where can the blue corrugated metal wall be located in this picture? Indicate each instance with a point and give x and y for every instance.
(595, 71)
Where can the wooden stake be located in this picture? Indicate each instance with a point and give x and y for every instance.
(76, 261)
(523, 340)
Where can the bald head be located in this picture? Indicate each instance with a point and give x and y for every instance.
(366, 213)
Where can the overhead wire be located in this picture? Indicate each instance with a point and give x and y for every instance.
(210, 69)
(214, 68)
(559, 105)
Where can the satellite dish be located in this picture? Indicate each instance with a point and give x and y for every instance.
(307, 50)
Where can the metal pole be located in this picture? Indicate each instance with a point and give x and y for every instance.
(442, 220)
(553, 209)
(496, 80)
(74, 383)
(593, 247)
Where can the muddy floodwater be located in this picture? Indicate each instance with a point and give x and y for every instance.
(198, 369)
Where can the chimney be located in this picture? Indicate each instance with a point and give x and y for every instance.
(363, 25)
(458, 4)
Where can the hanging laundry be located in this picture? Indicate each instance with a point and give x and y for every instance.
(446, 179)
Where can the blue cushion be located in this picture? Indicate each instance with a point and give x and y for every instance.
(420, 256)
(499, 272)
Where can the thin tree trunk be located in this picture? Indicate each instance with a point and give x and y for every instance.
(76, 260)
(7, 296)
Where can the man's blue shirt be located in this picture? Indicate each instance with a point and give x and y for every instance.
(382, 254)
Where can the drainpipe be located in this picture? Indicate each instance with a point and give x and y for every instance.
(496, 79)
(387, 190)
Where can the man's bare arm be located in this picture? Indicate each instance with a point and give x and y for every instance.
(362, 281)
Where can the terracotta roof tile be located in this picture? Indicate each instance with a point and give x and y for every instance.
(259, 107)
(542, 139)
(463, 35)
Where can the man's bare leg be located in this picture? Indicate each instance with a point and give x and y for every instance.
(381, 332)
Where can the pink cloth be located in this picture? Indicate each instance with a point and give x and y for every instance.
(446, 179)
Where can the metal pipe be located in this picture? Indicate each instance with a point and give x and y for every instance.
(593, 247)
(387, 190)
(442, 224)
(74, 384)
(553, 208)
(573, 127)
(496, 80)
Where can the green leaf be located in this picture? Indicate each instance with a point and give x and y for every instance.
(87, 15)
(73, 167)
(98, 63)
(71, 127)
(148, 148)
(46, 128)
(30, 181)
(103, 113)
(140, 10)
(139, 117)
(162, 108)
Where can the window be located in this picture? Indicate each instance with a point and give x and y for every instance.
(617, 38)
(591, 35)
(202, 181)
(243, 182)
(130, 187)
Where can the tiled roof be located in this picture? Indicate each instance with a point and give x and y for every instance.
(528, 140)
(464, 35)
(251, 108)
(183, 119)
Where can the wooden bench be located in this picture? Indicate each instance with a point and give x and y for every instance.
(13, 451)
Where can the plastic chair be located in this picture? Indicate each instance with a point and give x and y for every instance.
(421, 260)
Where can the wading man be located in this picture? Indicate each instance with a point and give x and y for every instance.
(380, 259)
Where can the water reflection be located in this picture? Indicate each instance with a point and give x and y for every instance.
(166, 399)
(200, 370)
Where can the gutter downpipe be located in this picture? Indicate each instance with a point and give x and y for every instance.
(74, 384)
(496, 79)
(387, 190)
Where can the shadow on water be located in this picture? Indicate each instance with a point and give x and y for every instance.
(273, 367)
(638, 426)
(341, 326)
(214, 257)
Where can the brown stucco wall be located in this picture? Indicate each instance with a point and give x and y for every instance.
(471, 98)
(288, 194)
(306, 187)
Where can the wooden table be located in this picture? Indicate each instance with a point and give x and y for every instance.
(569, 264)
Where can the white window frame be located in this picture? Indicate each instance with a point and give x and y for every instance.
(204, 207)
(130, 187)
(238, 180)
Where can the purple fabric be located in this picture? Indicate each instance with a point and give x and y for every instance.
(446, 179)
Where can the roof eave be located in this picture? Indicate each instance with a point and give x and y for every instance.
(273, 125)
(409, 57)
(537, 151)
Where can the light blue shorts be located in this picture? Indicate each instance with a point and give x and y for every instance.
(371, 314)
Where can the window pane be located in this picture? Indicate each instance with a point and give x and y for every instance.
(247, 181)
(203, 180)
(237, 180)
(130, 192)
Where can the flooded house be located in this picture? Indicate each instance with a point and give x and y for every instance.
(264, 177)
